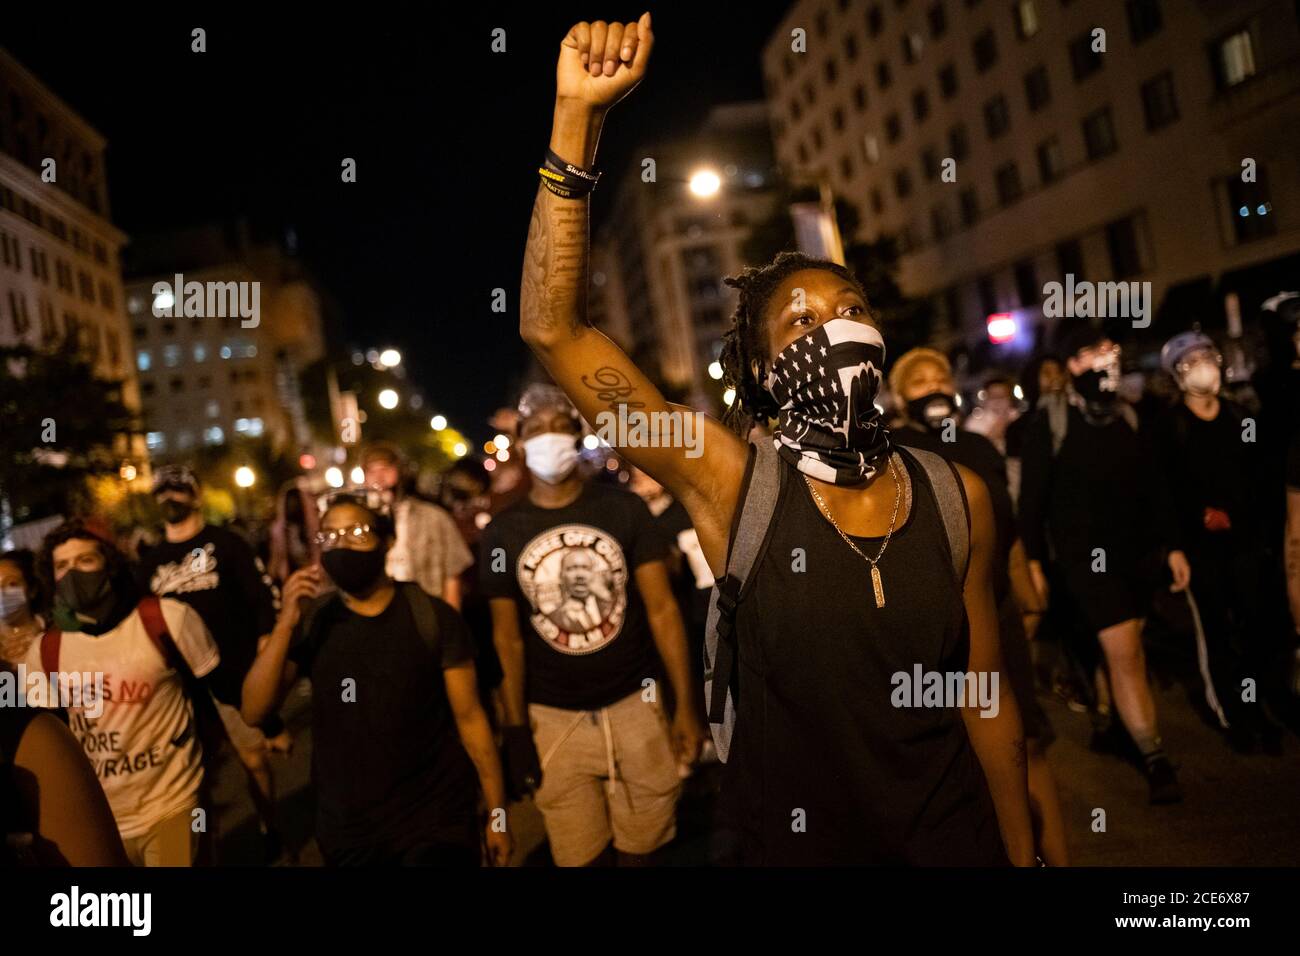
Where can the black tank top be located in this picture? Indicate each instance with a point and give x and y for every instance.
(824, 769)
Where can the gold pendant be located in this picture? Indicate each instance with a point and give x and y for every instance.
(877, 586)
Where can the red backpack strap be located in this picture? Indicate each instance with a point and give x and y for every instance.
(51, 641)
(155, 625)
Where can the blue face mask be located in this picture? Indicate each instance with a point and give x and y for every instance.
(12, 601)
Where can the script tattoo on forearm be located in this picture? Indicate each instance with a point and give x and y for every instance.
(553, 294)
(612, 387)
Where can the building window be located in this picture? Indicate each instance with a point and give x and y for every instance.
(877, 202)
(831, 72)
(860, 97)
(996, 116)
(846, 166)
(1038, 91)
(875, 20)
(147, 389)
(1143, 19)
(1069, 259)
(200, 352)
(1159, 102)
(213, 408)
(1234, 59)
(837, 119)
(893, 128)
(1099, 134)
(871, 148)
(912, 46)
(970, 207)
(1251, 207)
(938, 21)
(184, 440)
(988, 294)
(1026, 17)
(958, 142)
(796, 111)
(985, 50)
(851, 48)
(930, 164)
(948, 81)
(143, 359)
(1026, 283)
(1122, 244)
(1008, 182)
(156, 441)
(940, 223)
(1050, 162)
(883, 76)
(1083, 60)
(213, 435)
(920, 105)
(902, 183)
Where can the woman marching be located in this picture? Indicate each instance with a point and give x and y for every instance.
(859, 598)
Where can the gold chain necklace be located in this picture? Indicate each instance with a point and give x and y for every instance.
(876, 584)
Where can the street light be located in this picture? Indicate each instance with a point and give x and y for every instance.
(244, 477)
(358, 475)
(501, 441)
(388, 398)
(390, 358)
(459, 449)
(705, 183)
(127, 472)
(438, 423)
(334, 477)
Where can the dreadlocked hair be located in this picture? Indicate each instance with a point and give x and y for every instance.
(744, 345)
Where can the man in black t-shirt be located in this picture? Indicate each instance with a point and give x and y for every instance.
(398, 731)
(580, 602)
(215, 572)
(1209, 461)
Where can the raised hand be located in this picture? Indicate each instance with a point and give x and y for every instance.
(601, 62)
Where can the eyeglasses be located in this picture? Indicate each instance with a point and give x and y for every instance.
(357, 535)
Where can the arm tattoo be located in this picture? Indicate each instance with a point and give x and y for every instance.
(613, 387)
(553, 294)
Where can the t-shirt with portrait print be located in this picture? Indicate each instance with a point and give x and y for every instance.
(571, 571)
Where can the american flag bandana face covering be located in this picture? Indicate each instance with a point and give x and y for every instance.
(825, 384)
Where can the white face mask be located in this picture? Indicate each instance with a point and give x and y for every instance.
(1203, 378)
(552, 456)
(12, 602)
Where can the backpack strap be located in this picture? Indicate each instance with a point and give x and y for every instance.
(51, 642)
(426, 616)
(155, 625)
(950, 496)
(748, 541)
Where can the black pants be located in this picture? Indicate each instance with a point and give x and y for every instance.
(1226, 585)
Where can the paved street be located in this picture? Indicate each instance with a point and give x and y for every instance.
(1238, 811)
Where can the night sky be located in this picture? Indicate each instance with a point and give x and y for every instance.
(446, 135)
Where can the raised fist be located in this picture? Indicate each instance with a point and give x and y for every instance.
(601, 62)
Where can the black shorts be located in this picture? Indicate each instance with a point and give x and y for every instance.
(1103, 599)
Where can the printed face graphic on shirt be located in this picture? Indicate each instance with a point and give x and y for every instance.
(575, 578)
(197, 571)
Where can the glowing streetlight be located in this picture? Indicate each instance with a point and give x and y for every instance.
(358, 475)
(244, 477)
(501, 441)
(388, 398)
(390, 358)
(127, 472)
(438, 423)
(715, 370)
(460, 449)
(334, 477)
(503, 455)
(705, 183)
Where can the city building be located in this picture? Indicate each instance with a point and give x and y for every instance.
(60, 273)
(1111, 155)
(221, 329)
(681, 214)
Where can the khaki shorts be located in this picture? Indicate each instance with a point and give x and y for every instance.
(607, 774)
(242, 736)
(169, 842)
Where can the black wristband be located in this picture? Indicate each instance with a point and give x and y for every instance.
(561, 166)
(568, 187)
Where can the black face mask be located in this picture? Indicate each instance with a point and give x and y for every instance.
(85, 597)
(174, 512)
(355, 572)
(932, 410)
